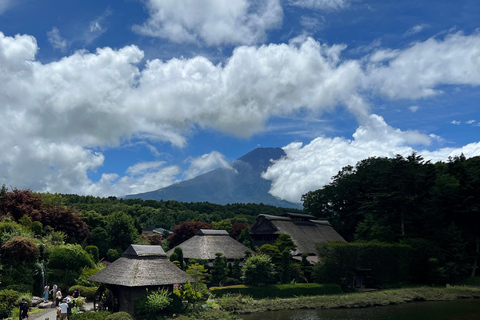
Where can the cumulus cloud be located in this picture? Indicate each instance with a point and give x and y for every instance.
(310, 167)
(416, 71)
(213, 22)
(320, 4)
(456, 122)
(205, 163)
(90, 101)
(56, 39)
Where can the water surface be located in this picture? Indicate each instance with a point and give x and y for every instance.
(428, 310)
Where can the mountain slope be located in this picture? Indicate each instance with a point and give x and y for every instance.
(242, 184)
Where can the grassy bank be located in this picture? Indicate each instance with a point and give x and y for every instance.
(242, 304)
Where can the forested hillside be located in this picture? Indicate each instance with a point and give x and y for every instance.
(434, 207)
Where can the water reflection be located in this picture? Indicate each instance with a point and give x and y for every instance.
(435, 310)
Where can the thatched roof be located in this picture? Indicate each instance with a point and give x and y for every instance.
(206, 243)
(304, 231)
(140, 266)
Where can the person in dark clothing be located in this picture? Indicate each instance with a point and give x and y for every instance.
(23, 309)
(76, 293)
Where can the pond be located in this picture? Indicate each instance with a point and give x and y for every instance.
(429, 310)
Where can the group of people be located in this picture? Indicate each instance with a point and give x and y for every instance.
(64, 305)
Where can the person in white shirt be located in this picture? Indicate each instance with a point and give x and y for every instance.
(63, 309)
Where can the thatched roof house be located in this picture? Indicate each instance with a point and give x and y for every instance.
(304, 230)
(206, 243)
(141, 267)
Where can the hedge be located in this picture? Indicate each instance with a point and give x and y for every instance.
(279, 290)
(87, 292)
(90, 315)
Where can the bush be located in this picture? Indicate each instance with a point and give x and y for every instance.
(83, 278)
(279, 290)
(8, 301)
(70, 257)
(93, 252)
(258, 269)
(120, 316)
(87, 292)
(153, 303)
(90, 315)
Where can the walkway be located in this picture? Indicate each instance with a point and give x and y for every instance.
(51, 313)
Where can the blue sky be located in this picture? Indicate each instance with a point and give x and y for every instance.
(117, 97)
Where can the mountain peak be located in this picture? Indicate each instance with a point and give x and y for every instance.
(223, 186)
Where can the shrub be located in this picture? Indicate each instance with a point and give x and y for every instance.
(93, 252)
(279, 290)
(91, 315)
(258, 269)
(8, 300)
(87, 292)
(153, 303)
(120, 316)
(70, 257)
(83, 278)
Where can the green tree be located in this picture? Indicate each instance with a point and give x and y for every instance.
(285, 242)
(246, 239)
(219, 270)
(258, 270)
(180, 260)
(121, 230)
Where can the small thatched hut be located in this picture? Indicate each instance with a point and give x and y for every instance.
(206, 243)
(141, 267)
(304, 230)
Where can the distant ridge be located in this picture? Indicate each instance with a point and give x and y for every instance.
(241, 184)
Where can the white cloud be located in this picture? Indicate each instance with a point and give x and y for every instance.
(91, 101)
(413, 108)
(455, 122)
(213, 22)
(205, 163)
(311, 167)
(416, 71)
(415, 29)
(320, 4)
(56, 39)
(470, 121)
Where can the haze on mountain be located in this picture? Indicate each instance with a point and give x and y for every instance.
(239, 183)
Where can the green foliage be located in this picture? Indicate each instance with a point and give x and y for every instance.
(178, 251)
(388, 263)
(93, 251)
(87, 292)
(199, 275)
(258, 270)
(219, 270)
(189, 294)
(121, 230)
(120, 316)
(225, 224)
(83, 278)
(8, 300)
(19, 278)
(246, 239)
(209, 314)
(278, 290)
(152, 303)
(70, 257)
(285, 242)
(91, 315)
(100, 240)
(113, 254)
(37, 228)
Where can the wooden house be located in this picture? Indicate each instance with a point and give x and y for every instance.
(206, 243)
(304, 230)
(140, 267)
